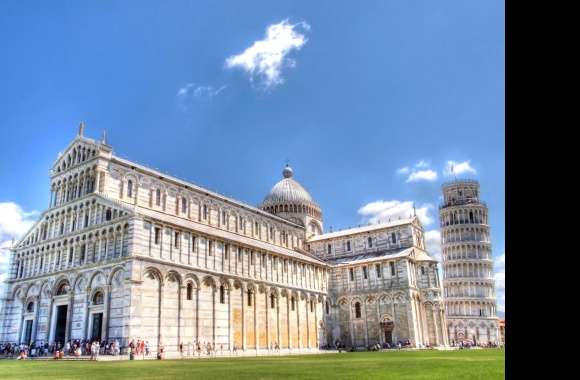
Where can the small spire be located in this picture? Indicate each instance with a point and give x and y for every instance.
(81, 128)
(414, 210)
(104, 139)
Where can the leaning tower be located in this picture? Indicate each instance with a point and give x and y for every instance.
(468, 282)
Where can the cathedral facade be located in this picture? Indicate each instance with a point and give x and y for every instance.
(126, 252)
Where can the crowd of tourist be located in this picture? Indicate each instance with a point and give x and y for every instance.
(339, 346)
(470, 344)
(75, 348)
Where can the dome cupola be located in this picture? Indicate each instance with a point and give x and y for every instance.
(290, 200)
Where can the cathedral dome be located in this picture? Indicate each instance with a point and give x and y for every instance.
(288, 199)
(287, 190)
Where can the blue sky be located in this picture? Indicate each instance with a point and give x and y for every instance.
(349, 92)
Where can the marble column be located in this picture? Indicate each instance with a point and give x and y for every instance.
(230, 317)
(244, 300)
(436, 326)
(69, 312)
(288, 297)
(36, 315)
(279, 333)
(308, 317)
(106, 314)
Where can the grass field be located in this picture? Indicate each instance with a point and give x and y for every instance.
(463, 364)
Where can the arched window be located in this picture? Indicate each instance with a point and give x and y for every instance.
(108, 215)
(327, 306)
(249, 298)
(204, 212)
(292, 301)
(393, 237)
(222, 295)
(471, 216)
(62, 289)
(272, 301)
(357, 313)
(370, 240)
(183, 205)
(30, 307)
(158, 197)
(98, 298)
(189, 291)
(130, 188)
(311, 306)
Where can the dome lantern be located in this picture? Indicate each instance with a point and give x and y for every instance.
(287, 172)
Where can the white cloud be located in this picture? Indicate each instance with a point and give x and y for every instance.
(14, 222)
(266, 58)
(415, 175)
(456, 168)
(433, 243)
(422, 164)
(403, 170)
(499, 276)
(384, 210)
(422, 175)
(191, 93)
(196, 91)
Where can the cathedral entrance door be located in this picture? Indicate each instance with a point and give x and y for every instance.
(60, 328)
(388, 327)
(27, 332)
(97, 325)
(389, 337)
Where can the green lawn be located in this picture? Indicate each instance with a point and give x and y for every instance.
(462, 364)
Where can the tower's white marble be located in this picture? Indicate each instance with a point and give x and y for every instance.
(468, 282)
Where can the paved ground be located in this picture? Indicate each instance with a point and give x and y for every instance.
(432, 365)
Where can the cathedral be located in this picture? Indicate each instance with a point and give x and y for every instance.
(127, 252)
